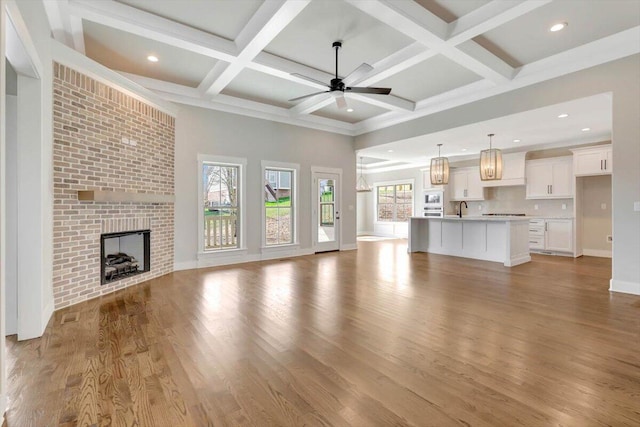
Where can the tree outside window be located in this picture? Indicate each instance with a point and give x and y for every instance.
(394, 202)
(279, 206)
(221, 208)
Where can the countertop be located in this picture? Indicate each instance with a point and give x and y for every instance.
(478, 218)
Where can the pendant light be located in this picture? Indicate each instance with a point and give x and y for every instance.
(362, 186)
(490, 163)
(439, 170)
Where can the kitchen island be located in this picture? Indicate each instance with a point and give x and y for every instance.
(498, 239)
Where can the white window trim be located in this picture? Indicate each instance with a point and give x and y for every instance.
(295, 167)
(241, 162)
(396, 182)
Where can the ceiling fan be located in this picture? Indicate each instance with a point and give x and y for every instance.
(338, 87)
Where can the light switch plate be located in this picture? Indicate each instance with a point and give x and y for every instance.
(535, 207)
(564, 206)
(603, 206)
(636, 206)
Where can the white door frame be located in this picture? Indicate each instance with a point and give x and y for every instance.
(314, 204)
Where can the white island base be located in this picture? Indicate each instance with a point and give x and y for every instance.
(499, 239)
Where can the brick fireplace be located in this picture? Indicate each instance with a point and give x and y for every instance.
(113, 173)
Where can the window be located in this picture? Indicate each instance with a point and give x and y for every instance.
(221, 205)
(278, 207)
(279, 193)
(394, 202)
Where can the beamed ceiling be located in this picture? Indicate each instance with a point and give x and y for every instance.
(240, 55)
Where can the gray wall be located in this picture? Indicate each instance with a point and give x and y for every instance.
(202, 131)
(621, 78)
(596, 222)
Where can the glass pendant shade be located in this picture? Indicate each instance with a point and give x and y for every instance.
(490, 163)
(439, 169)
(361, 185)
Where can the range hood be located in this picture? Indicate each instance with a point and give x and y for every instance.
(512, 171)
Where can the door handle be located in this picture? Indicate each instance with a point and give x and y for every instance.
(551, 187)
(605, 164)
(600, 164)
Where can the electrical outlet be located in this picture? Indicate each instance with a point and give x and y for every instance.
(133, 142)
(609, 238)
(535, 207)
(125, 140)
(564, 206)
(603, 206)
(479, 207)
(636, 206)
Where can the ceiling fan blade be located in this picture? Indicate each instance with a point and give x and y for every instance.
(374, 90)
(357, 74)
(341, 102)
(309, 79)
(307, 96)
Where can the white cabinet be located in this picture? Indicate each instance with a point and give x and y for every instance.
(465, 184)
(593, 160)
(554, 235)
(426, 181)
(549, 178)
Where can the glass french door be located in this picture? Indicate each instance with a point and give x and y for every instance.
(326, 211)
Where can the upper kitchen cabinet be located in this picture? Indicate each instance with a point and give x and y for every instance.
(465, 184)
(513, 166)
(426, 181)
(593, 160)
(550, 178)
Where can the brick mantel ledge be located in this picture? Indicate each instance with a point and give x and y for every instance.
(124, 196)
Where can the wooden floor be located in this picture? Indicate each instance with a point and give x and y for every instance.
(374, 337)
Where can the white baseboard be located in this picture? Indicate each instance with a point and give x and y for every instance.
(185, 265)
(365, 233)
(46, 315)
(624, 287)
(213, 261)
(349, 247)
(602, 253)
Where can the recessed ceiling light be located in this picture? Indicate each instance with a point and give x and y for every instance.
(516, 140)
(349, 110)
(563, 115)
(463, 149)
(586, 129)
(389, 151)
(557, 27)
(152, 58)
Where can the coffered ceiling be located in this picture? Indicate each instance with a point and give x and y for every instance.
(241, 55)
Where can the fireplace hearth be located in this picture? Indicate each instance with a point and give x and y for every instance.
(124, 254)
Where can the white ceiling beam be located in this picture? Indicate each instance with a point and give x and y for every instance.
(607, 49)
(77, 33)
(389, 102)
(148, 25)
(283, 68)
(488, 17)
(161, 85)
(416, 22)
(58, 17)
(312, 104)
(259, 110)
(271, 18)
(397, 62)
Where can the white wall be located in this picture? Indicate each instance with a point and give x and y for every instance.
(202, 131)
(621, 78)
(11, 235)
(3, 209)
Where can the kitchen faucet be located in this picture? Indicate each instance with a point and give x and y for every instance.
(460, 208)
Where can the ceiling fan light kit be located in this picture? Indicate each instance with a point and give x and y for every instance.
(439, 169)
(338, 87)
(491, 163)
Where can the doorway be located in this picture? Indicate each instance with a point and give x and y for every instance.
(326, 211)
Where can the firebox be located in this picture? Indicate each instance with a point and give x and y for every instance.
(124, 254)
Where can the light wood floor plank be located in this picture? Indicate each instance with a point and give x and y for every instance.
(373, 337)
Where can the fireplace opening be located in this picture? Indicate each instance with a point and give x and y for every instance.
(124, 255)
